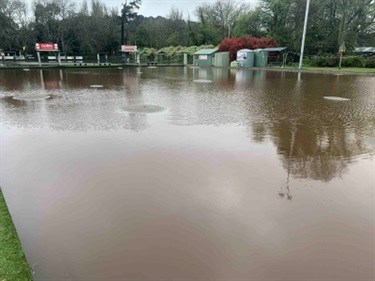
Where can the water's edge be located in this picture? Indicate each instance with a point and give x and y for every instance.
(13, 263)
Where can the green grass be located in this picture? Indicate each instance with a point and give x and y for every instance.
(336, 69)
(13, 264)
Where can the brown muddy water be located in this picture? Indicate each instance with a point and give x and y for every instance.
(190, 174)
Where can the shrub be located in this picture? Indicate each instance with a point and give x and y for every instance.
(352, 62)
(325, 62)
(307, 62)
(369, 62)
(232, 45)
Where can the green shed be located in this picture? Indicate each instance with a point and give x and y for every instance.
(260, 58)
(221, 59)
(204, 57)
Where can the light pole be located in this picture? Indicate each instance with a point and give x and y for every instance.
(123, 55)
(304, 34)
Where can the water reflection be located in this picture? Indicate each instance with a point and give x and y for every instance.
(193, 191)
(275, 106)
(315, 138)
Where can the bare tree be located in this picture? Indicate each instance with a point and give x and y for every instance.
(223, 14)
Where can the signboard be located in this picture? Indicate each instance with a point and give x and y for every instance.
(46, 47)
(203, 57)
(128, 48)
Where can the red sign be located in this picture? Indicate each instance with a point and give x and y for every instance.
(46, 47)
(128, 48)
(49, 85)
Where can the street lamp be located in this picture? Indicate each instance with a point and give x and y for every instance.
(304, 34)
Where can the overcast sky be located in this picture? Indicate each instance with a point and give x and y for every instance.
(153, 8)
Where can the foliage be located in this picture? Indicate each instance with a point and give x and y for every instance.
(219, 19)
(172, 53)
(128, 13)
(93, 28)
(325, 61)
(330, 23)
(352, 61)
(232, 45)
(333, 61)
(13, 264)
(369, 62)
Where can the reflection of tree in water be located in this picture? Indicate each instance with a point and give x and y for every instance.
(315, 139)
(313, 154)
(319, 153)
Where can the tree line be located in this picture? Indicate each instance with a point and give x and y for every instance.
(93, 27)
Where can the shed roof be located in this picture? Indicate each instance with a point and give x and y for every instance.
(245, 50)
(364, 50)
(206, 51)
(278, 49)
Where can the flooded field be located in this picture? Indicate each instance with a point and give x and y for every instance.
(190, 173)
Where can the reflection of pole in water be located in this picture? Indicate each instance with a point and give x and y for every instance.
(286, 192)
(133, 96)
(61, 76)
(41, 79)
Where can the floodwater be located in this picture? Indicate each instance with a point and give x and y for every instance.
(190, 173)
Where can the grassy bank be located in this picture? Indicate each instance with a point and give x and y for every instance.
(13, 264)
(336, 69)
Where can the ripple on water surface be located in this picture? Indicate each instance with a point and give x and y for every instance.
(32, 97)
(202, 81)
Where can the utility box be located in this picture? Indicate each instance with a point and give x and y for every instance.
(221, 59)
(245, 58)
(260, 58)
(204, 57)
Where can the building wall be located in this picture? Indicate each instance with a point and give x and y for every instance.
(203, 60)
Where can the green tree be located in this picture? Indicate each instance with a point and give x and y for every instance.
(46, 23)
(128, 13)
(330, 23)
(219, 19)
(250, 24)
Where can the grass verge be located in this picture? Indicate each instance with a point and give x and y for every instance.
(13, 264)
(336, 69)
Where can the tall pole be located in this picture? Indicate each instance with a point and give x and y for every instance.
(304, 34)
(123, 54)
(122, 25)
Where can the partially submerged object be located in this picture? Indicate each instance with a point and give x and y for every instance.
(336, 98)
(32, 97)
(202, 81)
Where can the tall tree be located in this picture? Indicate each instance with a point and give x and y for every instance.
(46, 20)
(128, 13)
(219, 19)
